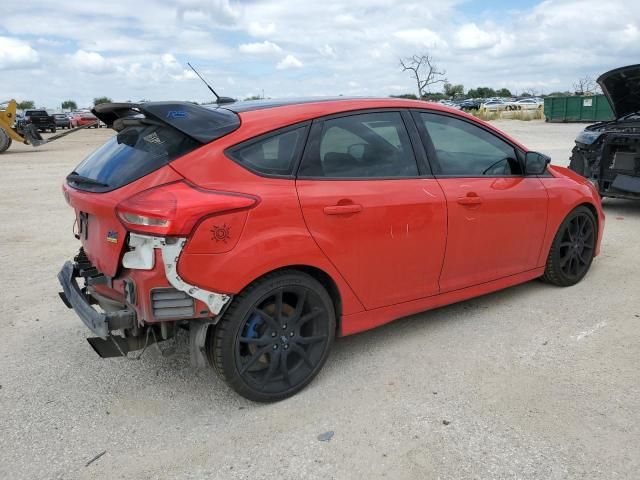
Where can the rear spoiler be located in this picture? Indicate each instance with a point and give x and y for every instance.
(200, 123)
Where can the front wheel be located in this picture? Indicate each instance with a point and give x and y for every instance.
(572, 250)
(275, 336)
(5, 141)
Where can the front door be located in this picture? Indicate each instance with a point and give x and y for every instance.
(377, 220)
(496, 216)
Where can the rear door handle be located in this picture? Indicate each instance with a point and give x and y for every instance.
(342, 209)
(470, 199)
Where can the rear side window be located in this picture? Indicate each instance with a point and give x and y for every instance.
(367, 145)
(133, 153)
(274, 154)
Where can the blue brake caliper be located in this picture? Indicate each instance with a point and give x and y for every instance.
(251, 327)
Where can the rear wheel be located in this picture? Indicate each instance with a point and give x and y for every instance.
(274, 337)
(53, 129)
(572, 249)
(5, 141)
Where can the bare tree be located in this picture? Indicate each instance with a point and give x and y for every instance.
(586, 86)
(423, 71)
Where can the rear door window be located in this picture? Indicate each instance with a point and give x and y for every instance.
(367, 145)
(131, 154)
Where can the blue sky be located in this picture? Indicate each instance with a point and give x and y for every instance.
(128, 50)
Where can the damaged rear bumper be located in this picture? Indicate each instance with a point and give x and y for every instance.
(75, 297)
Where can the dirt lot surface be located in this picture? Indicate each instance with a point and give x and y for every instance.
(534, 382)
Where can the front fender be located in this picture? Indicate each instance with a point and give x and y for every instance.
(568, 190)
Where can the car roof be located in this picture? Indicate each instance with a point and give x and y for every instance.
(249, 105)
(268, 115)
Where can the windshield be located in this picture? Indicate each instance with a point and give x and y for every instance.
(133, 153)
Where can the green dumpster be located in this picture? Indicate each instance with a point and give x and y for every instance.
(594, 108)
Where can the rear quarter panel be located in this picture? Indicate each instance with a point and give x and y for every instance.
(273, 236)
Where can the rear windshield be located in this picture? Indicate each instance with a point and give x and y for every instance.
(37, 113)
(133, 153)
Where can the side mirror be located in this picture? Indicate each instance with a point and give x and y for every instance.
(535, 163)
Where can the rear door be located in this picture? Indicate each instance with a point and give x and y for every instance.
(371, 208)
(496, 216)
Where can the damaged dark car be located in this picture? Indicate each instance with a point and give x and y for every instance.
(608, 153)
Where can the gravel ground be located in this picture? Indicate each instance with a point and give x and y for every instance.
(533, 382)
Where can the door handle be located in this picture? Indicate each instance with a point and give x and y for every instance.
(470, 199)
(342, 209)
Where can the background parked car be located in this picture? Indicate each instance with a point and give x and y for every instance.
(61, 120)
(80, 119)
(494, 105)
(526, 104)
(470, 104)
(41, 119)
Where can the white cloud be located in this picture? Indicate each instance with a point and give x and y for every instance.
(258, 29)
(470, 36)
(327, 50)
(260, 48)
(91, 62)
(15, 53)
(420, 37)
(289, 62)
(214, 11)
(89, 49)
(48, 42)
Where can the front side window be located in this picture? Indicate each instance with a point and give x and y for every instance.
(367, 145)
(465, 150)
(273, 155)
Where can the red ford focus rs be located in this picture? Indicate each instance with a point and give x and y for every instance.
(267, 228)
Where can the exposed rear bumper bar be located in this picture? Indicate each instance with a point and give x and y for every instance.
(99, 323)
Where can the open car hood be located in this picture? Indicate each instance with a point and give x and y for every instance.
(622, 88)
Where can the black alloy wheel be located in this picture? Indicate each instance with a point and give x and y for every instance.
(275, 336)
(573, 248)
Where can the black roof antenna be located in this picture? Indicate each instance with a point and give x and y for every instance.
(219, 99)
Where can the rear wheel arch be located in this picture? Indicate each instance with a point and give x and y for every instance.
(321, 277)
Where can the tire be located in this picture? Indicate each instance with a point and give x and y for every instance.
(5, 141)
(572, 250)
(53, 130)
(275, 336)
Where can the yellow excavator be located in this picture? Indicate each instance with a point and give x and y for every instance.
(28, 133)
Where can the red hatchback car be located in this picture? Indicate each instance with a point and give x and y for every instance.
(267, 228)
(80, 119)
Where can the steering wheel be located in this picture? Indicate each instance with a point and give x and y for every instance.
(494, 164)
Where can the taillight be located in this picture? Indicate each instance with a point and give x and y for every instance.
(173, 209)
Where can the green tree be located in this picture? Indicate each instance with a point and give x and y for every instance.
(26, 105)
(254, 97)
(453, 91)
(410, 96)
(486, 92)
(560, 94)
(503, 92)
(99, 100)
(69, 104)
